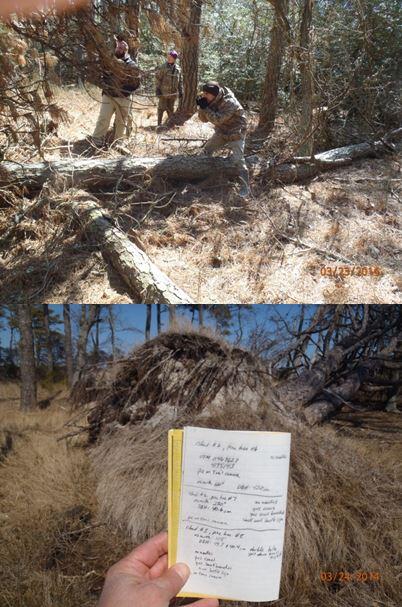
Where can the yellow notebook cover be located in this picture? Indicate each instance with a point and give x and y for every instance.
(175, 453)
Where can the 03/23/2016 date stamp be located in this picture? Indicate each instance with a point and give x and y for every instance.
(344, 271)
(346, 576)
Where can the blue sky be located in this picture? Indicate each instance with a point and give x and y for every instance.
(130, 321)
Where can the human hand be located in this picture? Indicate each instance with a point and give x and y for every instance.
(121, 46)
(142, 578)
(28, 6)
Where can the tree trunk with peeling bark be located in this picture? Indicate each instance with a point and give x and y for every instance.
(278, 42)
(307, 80)
(144, 280)
(190, 59)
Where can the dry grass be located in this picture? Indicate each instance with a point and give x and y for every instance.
(342, 510)
(52, 549)
(216, 246)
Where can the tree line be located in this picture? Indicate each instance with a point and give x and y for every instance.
(41, 344)
(350, 354)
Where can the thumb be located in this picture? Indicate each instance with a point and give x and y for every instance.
(173, 580)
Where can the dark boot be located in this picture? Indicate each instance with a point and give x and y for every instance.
(244, 184)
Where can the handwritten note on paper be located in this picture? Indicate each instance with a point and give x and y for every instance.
(232, 512)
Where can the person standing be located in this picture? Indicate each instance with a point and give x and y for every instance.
(116, 95)
(218, 105)
(169, 85)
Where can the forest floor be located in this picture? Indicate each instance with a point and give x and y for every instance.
(54, 548)
(215, 245)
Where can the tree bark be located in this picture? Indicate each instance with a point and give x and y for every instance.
(158, 318)
(112, 323)
(148, 322)
(11, 347)
(200, 315)
(49, 345)
(307, 80)
(27, 358)
(277, 45)
(133, 25)
(172, 315)
(144, 280)
(190, 58)
(88, 319)
(95, 173)
(96, 351)
(326, 407)
(68, 344)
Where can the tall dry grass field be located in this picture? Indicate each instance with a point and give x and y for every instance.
(53, 550)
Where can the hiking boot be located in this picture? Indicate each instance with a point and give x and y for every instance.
(244, 184)
(119, 147)
(98, 144)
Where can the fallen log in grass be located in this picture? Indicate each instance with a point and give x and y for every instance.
(146, 283)
(97, 173)
(304, 168)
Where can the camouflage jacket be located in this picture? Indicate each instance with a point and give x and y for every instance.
(169, 79)
(124, 80)
(226, 114)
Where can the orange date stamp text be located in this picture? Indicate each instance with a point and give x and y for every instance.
(346, 576)
(344, 271)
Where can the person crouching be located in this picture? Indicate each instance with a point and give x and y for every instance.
(218, 105)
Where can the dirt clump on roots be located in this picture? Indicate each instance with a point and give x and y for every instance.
(342, 506)
(92, 384)
(175, 373)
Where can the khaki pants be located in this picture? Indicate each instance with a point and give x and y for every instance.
(166, 104)
(218, 142)
(120, 106)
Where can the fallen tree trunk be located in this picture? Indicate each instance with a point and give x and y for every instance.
(96, 173)
(146, 283)
(304, 168)
(334, 397)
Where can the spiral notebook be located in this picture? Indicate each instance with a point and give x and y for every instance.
(227, 493)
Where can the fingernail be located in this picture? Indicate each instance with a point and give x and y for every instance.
(182, 570)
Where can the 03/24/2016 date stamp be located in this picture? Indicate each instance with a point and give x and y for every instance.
(344, 271)
(346, 576)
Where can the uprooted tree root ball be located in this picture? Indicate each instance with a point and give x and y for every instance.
(175, 373)
(341, 515)
(92, 384)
